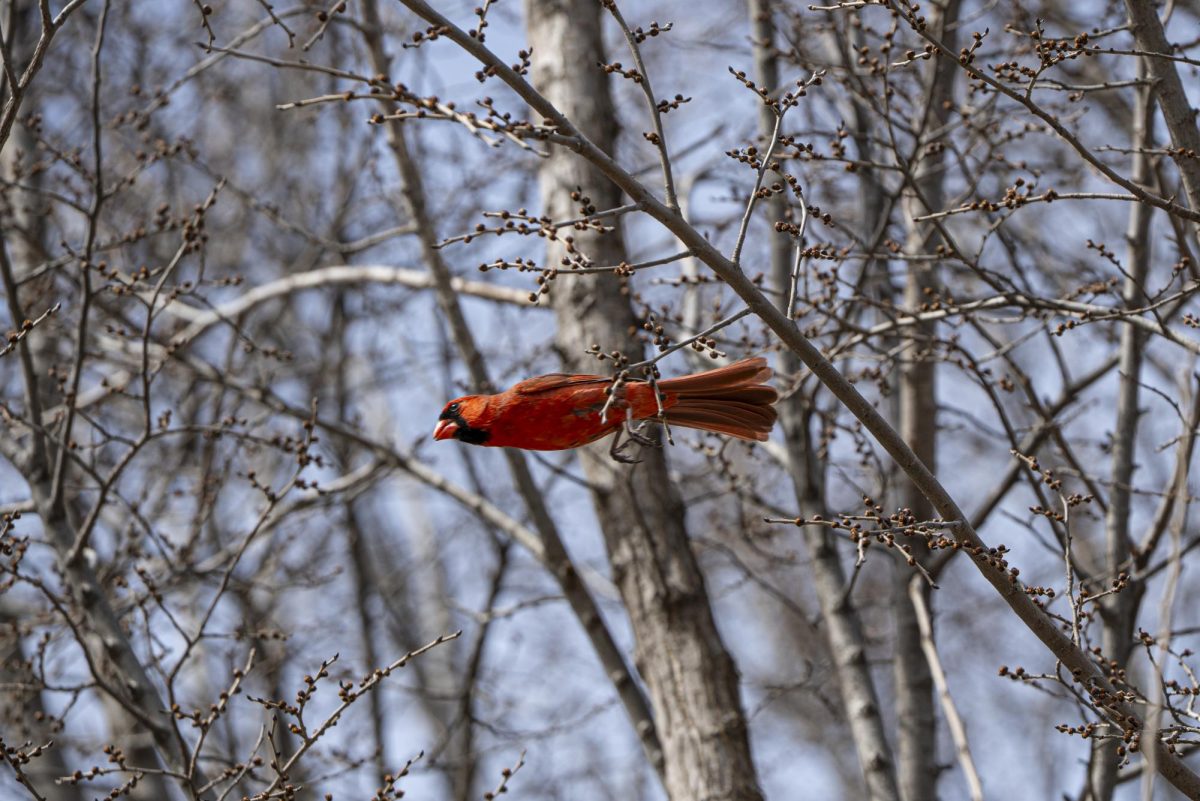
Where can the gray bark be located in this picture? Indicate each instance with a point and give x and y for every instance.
(1177, 112)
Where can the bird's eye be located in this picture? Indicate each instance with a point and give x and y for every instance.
(452, 408)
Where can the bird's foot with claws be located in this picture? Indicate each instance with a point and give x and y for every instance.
(637, 436)
(617, 451)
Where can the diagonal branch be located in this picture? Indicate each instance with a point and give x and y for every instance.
(1177, 112)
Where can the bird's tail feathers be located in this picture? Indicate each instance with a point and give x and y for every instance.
(747, 372)
(731, 400)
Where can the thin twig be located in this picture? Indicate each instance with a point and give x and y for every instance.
(660, 139)
(954, 721)
(712, 329)
(25, 327)
(1154, 703)
(744, 228)
(505, 775)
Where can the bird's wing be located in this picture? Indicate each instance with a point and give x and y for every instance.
(553, 381)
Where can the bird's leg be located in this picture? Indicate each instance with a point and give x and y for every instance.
(617, 451)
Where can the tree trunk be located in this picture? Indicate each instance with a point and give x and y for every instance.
(691, 678)
(1120, 609)
(916, 740)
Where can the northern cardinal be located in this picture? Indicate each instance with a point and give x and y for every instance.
(558, 411)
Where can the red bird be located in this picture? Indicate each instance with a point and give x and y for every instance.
(558, 411)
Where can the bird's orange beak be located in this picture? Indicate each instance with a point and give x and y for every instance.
(445, 429)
